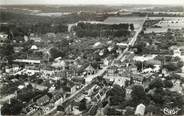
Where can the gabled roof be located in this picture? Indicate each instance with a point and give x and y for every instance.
(34, 47)
(43, 100)
(90, 67)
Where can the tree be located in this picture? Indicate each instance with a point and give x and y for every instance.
(156, 83)
(116, 90)
(55, 53)
(131, 27)
(14, 108)
(129, 111)
(168, 84)
(158, 96)
(82, 105)
(60, 108)
(140, 47)
(172, 66)
(113, 111)
(138, 94)
(153, 109)
(116, 95)
(7, 51)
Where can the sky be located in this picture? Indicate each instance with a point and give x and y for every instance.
(87, 2)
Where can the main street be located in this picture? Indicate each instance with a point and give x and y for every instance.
(100, 73)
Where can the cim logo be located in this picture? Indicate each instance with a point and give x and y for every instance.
(172, 111)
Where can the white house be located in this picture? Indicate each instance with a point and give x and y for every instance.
(97, 44)
(3, 36)
(34, 47)
(35, 38)
(176, 53)
(140, 110)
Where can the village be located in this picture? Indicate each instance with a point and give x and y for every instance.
(120, 66)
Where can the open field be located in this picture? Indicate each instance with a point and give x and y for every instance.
(55, 14)
(165, 23)
(170, 22)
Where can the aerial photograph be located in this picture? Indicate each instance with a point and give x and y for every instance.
(92, 57)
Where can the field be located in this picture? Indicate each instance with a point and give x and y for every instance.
(57, 8)
(170, 22)
(55, 14)
(137, 21)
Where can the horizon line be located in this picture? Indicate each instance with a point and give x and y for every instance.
(116, 4)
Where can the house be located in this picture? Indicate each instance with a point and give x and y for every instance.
(122, 44)
(90, 70)
(28, 64)
(137, 79)
(147, 70)
(133, 68)
(118, 63)
(153, 62)
(176, 53)
(35, 38)
(26, 38)
(97, 45)
(3, 37)
(121, 80)
(27, 61)
(59, 64)
(165, 72)
(110, 48)
(17, 49)
(144, 58)
(140, 110)
(34, 47)
(101, 53)
(107, 61)
(51, 35)
(43, 100)
(112, 70)
(39, 87)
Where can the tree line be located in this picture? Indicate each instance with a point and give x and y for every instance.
(103, 30)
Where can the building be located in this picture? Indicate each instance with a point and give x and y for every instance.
(17, 49)
(176, 53)
(113, 70)
(90, 70)
(3, 38)
(140, 110)
(27, 61)
(59, 64)
(34, 47)
(43, 100)
(107, 61)
(124, 45)
(35, 38)
(144, 58)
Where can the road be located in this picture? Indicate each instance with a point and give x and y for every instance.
(131, 42)
(100, 73)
